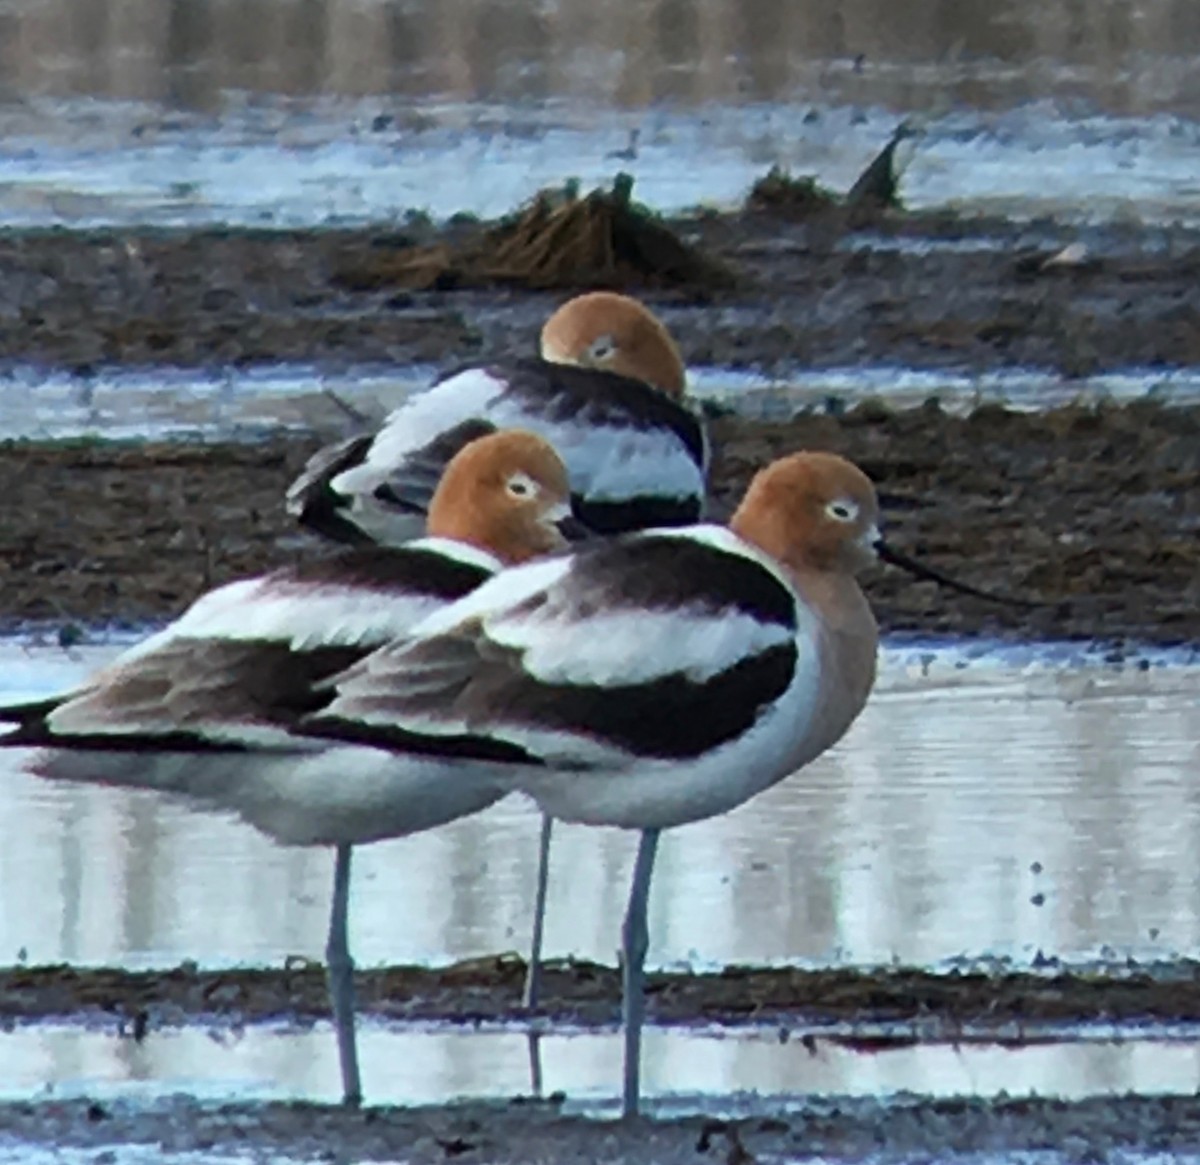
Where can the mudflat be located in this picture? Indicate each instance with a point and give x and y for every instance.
(1089, 512)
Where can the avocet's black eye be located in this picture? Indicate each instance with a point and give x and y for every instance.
(520, 486)
(602, 348)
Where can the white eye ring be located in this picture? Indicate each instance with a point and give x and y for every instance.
(520, 485)
(842, 510)
(602, 347)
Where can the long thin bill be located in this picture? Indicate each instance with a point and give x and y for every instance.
(573, 530)
(920, 570)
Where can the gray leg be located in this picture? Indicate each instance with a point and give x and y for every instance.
(533, 976)
(535, 1064)
(340, 969)
(635, 939)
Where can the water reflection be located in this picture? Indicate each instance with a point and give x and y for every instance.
(981, 810)
(630, 52)
(351, 111)
(428, 1067)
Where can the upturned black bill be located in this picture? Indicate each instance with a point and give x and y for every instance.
(920, 570)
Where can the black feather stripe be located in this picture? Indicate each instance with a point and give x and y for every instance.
(312, 500)
(37, 735)
(29, 713)
(636, 513)
(399, 740)
(408, 569)
(645, 572)
(411, 485)
(670, 718)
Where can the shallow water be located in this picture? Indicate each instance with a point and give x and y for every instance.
(985, 805)
(251, 403)
(309, 167)
(406, 1067)
(349, 111)
(1127, 57)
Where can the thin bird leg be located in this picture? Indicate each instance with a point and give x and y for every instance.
(635, 939)
(340, 970)
(534, 1040)
(533, 976)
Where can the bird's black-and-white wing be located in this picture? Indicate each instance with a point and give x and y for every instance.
(662, 645)
(250, 656)
(404, 496)
(636, 458)
(315, 504)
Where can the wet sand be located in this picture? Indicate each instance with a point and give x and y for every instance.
(1089, 511)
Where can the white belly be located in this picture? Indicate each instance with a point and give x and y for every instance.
(659, 794)
(341, 795)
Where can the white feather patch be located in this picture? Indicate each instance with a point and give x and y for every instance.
(505, 590)
(301, 614)
(278, 608)
(416, 423)
(458, 552)
(606, 462)
(619, 648)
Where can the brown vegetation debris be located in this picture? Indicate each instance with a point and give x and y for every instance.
(559, 241)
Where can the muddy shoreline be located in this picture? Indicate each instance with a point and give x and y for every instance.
(866, 1009)
(865, 1012)
(784, 1129)
(1090, 512)
(923, 290)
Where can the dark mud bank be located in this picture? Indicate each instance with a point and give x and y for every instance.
(805, 293)
(1013, 1008)
(1091, 512)
(522, 1132)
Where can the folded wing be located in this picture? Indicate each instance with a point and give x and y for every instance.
(660, 645)
(250, 656)
(636, 458)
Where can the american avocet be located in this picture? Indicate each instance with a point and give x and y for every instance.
(607, 392)
(202, 708)
(655, 680)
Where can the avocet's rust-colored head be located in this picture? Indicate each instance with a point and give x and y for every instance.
(605, 330)
(812, 511)
(507, 493)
